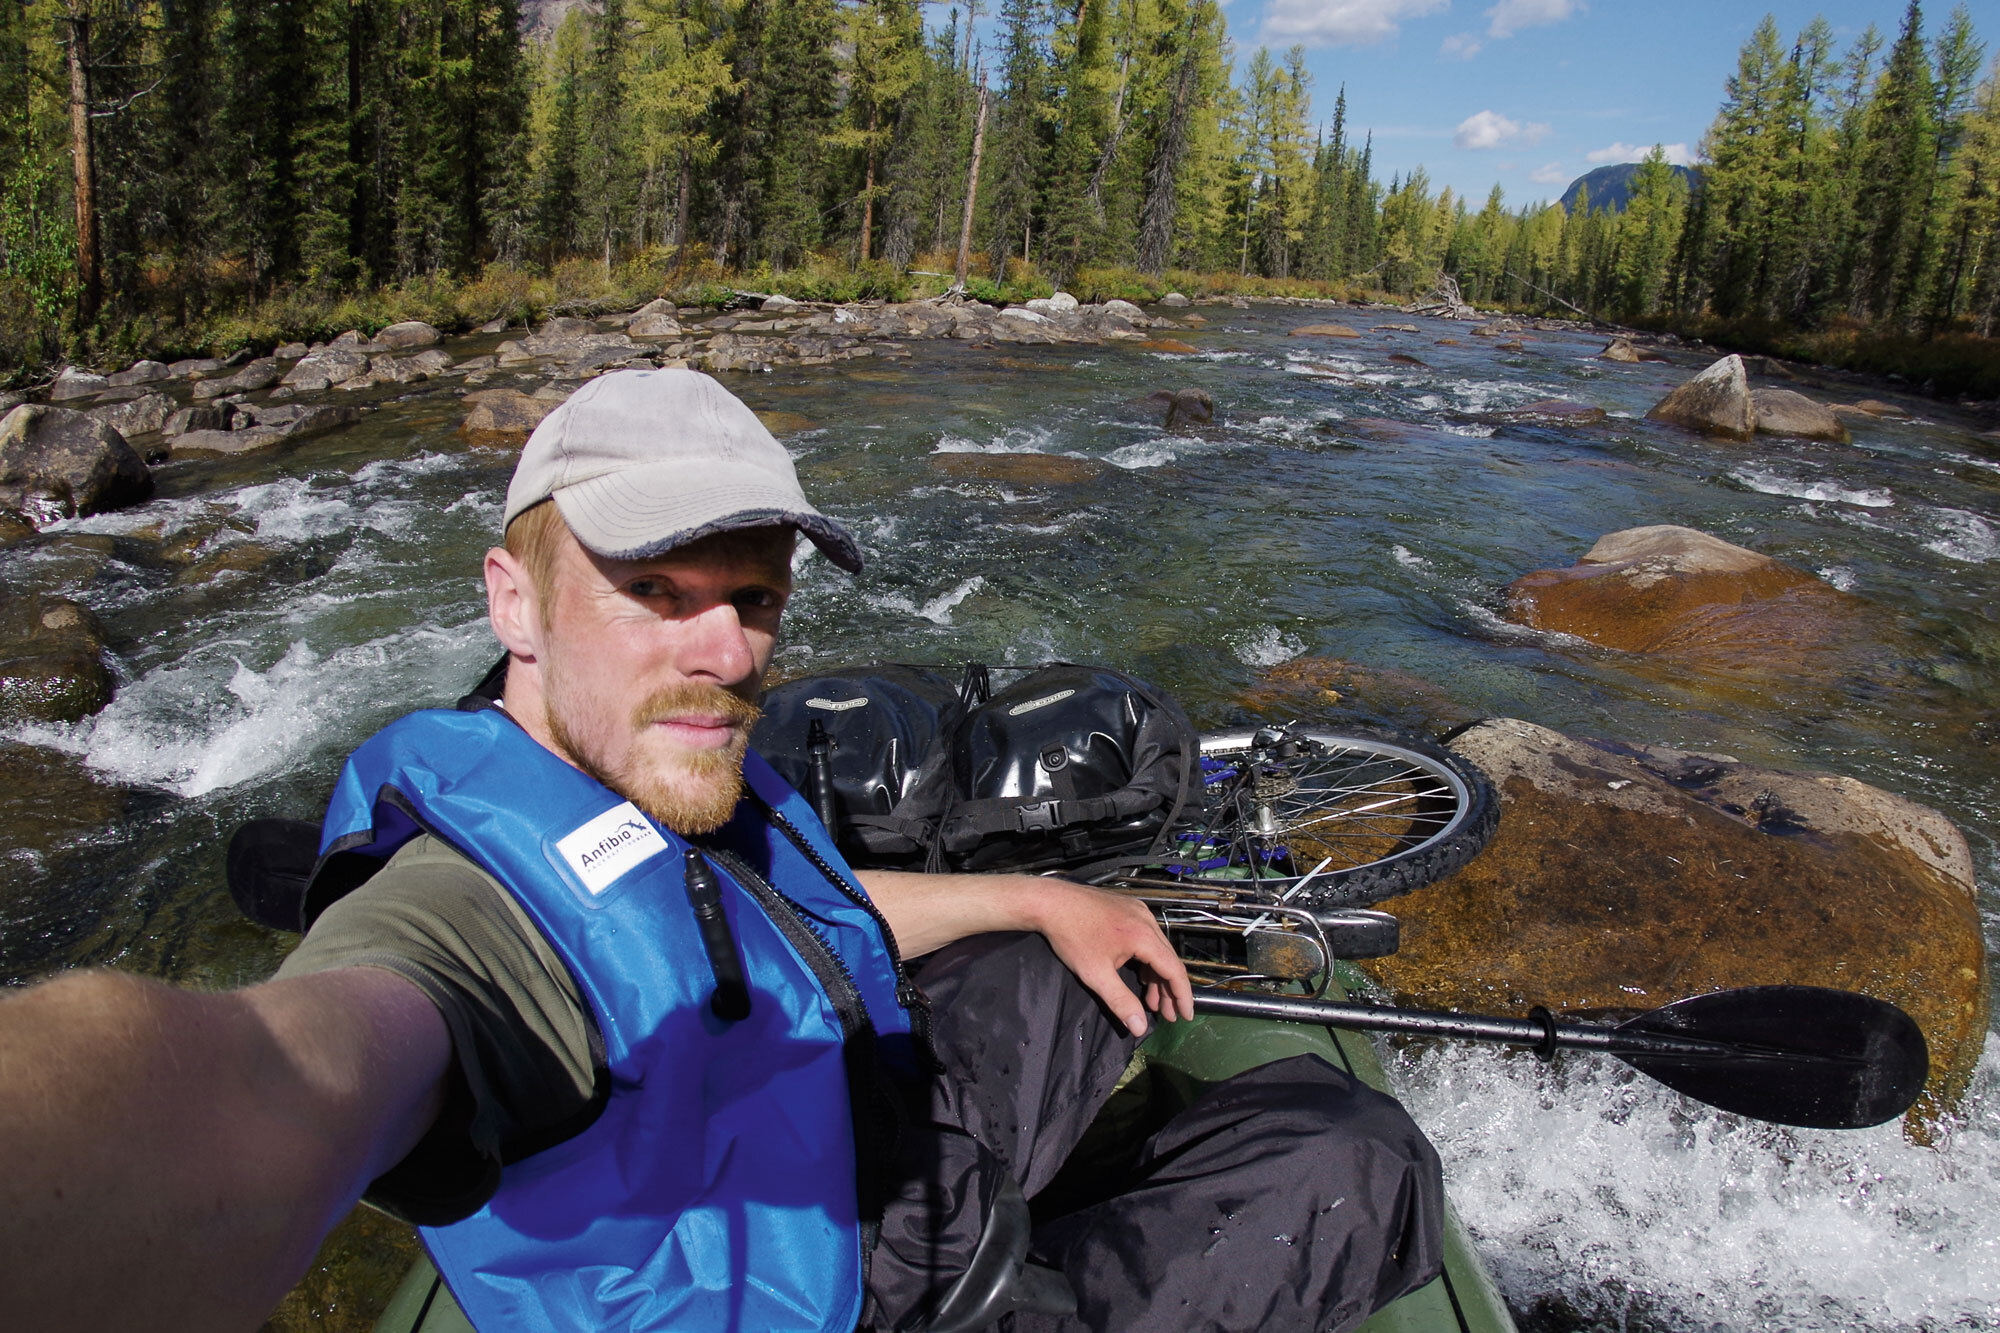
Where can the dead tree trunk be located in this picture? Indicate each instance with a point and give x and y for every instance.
(971, 192)
(89, 279)
(1444, 299)
(868, 189)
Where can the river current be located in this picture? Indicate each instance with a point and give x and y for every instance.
(1345, 506)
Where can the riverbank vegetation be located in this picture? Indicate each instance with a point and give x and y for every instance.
(181, 175)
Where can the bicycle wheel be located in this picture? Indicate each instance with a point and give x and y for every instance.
(1325, 819)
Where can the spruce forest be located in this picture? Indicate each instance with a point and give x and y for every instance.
(177, 174)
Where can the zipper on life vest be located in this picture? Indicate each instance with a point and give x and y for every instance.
(908, 994)
(876, 1135)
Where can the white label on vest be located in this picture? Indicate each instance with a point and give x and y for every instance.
(835, 705)
(610, 845)
(1042, 702)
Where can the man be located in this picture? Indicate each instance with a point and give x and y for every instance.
(604, 1014)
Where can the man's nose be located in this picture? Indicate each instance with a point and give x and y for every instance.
(718, 647)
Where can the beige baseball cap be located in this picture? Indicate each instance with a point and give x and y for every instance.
(642, 461)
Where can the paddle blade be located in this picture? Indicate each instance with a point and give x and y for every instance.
(1796, 1055)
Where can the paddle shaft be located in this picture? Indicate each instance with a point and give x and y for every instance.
(1543, 1035)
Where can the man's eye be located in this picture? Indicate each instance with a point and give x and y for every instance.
(648, 587)
(758, 599)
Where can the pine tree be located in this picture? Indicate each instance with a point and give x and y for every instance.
(1897, 156)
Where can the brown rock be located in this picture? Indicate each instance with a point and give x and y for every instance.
(216, 417)
(14, 529)
(1448, 342)
(1785, 412)
(1496, 328)
(786, 423)
(1631, 876)
(242, 558)
(1192, 407)
(1021, 469)
(57, 463)
(1173, 345)
(1324, 331)
(1715, 402)
(1676, 591)
(1875, 407)
(1511, 345)
(1405, 359)
(500, 416)
(1316, 684)
(51, 661)
(1619, 349)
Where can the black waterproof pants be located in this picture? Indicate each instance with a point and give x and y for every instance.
(1290, 1197)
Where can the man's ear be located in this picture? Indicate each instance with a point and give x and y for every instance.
(512, 604)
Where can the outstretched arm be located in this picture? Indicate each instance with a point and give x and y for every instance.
(171, 1159)
(1094, 932)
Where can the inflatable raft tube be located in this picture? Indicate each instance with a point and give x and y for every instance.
(1206, 1050)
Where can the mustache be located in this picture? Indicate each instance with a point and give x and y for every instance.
(692, 698)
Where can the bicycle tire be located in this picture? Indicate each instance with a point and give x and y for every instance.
(1347, 818)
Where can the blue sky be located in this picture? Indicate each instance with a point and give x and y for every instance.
(1530, 94)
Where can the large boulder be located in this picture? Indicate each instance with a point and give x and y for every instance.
(1624, 877)
(296, 420)
(1715, 402)
(503, 416)
(654, 324)
(58, 463)
(257, 375)
(329, 366)
(1681, 592)
(1174, 301)
(410, 333)
(1619, 349)
(136, 416)
(51, 661)
(1788, 412)
(141, 372)
(73, 383)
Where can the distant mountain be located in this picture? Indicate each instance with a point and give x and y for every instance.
(1611, 187)
(541, 18)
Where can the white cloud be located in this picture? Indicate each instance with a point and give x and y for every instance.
(1490, 129)
(1677, 153)
(1549, 173)
(1510, 16)
(1342, 22)
(1461, 46)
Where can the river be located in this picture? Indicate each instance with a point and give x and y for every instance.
(1295, 527)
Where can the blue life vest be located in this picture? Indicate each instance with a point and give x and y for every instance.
(717, 1190)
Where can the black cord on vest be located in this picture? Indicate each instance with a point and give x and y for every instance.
(731, 1001)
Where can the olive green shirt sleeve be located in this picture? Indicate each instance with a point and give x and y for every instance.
(525, 1075)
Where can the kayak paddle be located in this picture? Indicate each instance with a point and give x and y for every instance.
(1793, 1055)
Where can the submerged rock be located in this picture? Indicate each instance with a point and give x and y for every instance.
(1679, 592)
(1173, 346)
(1021, 469)
(1554, 412)
(1787, 412)
(1715, 402)
(51, 661)
(1630, 876)
(59, 463)
(1324, 331)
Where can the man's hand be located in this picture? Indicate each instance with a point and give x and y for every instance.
(1093, 931)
